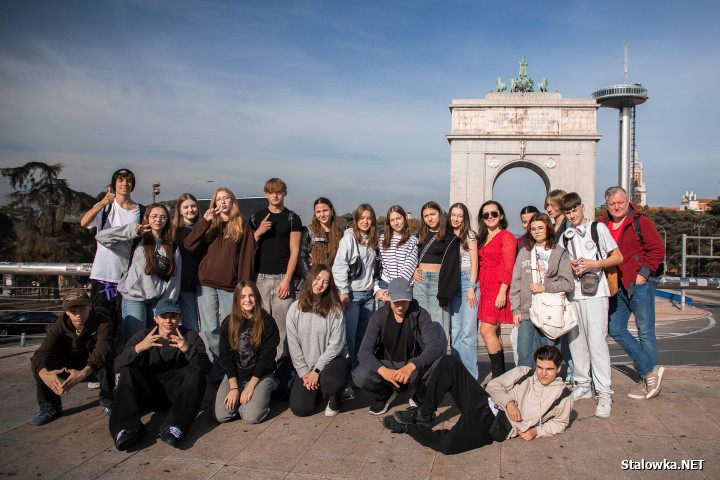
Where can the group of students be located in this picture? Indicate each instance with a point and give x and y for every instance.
(265, 304)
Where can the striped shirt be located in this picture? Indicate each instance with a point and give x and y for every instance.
(398, 261)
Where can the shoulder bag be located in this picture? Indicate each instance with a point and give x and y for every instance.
(551, 312)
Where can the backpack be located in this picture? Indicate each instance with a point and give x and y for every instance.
(636, 227)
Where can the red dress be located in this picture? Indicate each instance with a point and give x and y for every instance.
(496, 262)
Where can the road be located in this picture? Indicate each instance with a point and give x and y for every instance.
(686, 342)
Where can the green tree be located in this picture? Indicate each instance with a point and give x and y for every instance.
(45, 212)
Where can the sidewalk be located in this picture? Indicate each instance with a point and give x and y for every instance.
(683, 423)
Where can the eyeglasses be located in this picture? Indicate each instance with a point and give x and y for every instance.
(493, 214)
(158, 217)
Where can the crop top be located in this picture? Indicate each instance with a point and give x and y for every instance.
(436, 251)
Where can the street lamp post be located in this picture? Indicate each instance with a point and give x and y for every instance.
(156, 189)
(195, 183)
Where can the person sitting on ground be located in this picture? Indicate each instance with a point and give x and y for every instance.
(399, 350)
(162, 368)
(520, 403)
(77, 346)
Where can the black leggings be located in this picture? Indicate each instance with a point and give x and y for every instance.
(333, 380)
(471, 430)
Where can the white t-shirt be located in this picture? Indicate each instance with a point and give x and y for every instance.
(582, 246)
(106, 265)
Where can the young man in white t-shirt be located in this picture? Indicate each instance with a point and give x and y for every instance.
(590, 253)
(117, 208)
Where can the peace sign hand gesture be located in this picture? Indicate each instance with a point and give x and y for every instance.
(178, 341)
(148, 342)
(211, 212)
(142, 229)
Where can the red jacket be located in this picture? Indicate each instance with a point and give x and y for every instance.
(638, 258)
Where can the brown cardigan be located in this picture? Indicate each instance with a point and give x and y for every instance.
(224, 262)
(62, 347)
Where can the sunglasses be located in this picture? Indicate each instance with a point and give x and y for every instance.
(493, 214)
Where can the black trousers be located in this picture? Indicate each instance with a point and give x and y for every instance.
(471, 430)
(105, 295)
(333, 380)
(139, 390)
(380, 389)
(47, 399)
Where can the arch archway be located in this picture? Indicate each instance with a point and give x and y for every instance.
(517, 186)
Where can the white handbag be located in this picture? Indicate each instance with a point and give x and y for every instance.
(551, 312)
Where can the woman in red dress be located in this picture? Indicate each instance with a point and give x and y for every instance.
(496, 255)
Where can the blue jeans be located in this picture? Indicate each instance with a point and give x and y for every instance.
(425, 293)
(357, 317)
(189, 306)
(214, 305)
(643, 350)
(137, 316)
(464, 327)
(530, 338)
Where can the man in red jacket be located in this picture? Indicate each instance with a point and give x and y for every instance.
(643, 252)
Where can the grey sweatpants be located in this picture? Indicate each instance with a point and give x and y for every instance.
(253, 411)
(588, 346)
(277, 308)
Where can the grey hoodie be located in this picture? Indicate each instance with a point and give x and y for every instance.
(348, 251)
(135, 284)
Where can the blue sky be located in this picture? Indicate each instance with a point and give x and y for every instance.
(342, 99)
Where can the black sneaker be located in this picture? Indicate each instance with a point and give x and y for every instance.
(127, 438)
(379, 407)
(413, 415)
(171, 436)
(393, 425)
(46, 416)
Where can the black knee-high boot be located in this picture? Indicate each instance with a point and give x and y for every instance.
(502, 360)
(497, 363)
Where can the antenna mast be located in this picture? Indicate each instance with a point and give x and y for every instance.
(625, 47)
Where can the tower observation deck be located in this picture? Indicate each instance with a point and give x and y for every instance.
(624, 97)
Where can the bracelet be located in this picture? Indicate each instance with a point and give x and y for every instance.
(235, 388)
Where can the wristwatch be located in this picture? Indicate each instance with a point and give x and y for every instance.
(316, 371)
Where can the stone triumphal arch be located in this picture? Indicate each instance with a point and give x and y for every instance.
(553, 136)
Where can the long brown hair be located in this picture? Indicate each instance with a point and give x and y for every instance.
(424, 234)
(465, 229)
(550, 241)
(233, 228)
(324, 252)
(236, 319)
(165, 238)
(482, 228)
(178, 222)
(325, 303)
(389, 232)
(372, 233)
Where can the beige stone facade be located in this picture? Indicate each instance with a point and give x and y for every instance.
(554, 137)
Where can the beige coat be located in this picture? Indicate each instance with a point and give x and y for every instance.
(533, 399)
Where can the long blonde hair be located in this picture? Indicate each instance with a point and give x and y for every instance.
(233, 228)
(178, 222)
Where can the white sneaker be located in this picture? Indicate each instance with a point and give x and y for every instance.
(582, 392)
(329, 412)
(603, 407)
(93, 385)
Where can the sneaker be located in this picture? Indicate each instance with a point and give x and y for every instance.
(379, 407)
(46, 416)
(93, 385)
(127, 438)
(171, 436)
(414, 401)
(333, 407)
(348, 393)
(570, 382)
(603, 407)
(639, 391)
(393, 425)
(413, 415)
(582, 392)
(653, 382)
(107, 411)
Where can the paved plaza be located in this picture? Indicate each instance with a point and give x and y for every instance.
(683, 423)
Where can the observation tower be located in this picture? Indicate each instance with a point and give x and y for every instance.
(625, 97)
